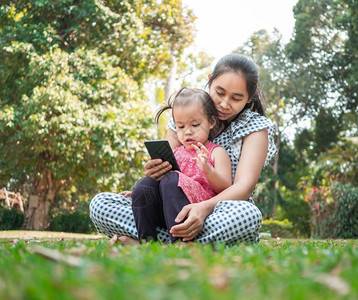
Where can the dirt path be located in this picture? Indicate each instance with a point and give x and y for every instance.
(24, 234)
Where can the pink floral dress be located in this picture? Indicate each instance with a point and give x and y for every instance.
(191, 180)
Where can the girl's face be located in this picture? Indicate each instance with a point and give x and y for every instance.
(229, 94)
(192, 124)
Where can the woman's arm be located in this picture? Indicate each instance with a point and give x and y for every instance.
(252, 159)
(172, 137)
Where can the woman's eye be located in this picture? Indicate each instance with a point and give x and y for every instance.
(220, 94)
(196, 125)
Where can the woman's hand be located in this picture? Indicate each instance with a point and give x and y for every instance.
(195, 215)
(126, 193)
(156, 168)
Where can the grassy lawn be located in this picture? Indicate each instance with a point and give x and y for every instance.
(93, 269)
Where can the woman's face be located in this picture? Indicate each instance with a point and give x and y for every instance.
(229, 94)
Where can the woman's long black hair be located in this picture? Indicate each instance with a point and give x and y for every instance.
(245, 66)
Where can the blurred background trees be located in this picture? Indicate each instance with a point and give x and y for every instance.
(312, 85)
(74, 112)
(80, 81)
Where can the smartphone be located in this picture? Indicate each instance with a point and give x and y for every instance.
(161, 149)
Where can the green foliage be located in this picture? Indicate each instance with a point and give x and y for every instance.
(71, 99)
(277, 228)
(295, 87)
(141, 32)
(80, 123)
(272, 270)
(289, 200)
(324, 136)
(335, 208)
(324, 50)
(327, 129)
(340, 162)
(345, 214)
(295, 209)
(10, 219)
(74, 221)
(70, 211)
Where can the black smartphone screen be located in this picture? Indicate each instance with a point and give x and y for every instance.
(161, 149)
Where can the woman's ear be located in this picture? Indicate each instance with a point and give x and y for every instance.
(212, 123)
(253, 96)
(251, 100)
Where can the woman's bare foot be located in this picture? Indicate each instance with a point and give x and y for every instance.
(124, 240)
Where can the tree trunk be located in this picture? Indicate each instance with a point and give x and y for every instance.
(169, 86)
(276, 158)
(40, 200)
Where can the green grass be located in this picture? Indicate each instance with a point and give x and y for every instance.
(92, 269)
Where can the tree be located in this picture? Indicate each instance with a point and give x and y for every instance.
(178, 27)
(77, 126)
(73, 109)
(192, 70)
(325, 46)
(325, 52)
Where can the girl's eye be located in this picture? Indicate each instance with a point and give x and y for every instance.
(180, 127)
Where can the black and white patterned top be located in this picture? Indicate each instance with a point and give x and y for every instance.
(231, 138)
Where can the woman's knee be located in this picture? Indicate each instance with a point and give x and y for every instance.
(96, 202)
(239, 212)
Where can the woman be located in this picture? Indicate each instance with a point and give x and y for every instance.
(247, 136)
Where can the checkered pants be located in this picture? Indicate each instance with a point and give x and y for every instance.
(231, 221)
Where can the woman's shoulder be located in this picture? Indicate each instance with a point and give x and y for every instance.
(253, 122)
(248, 122)
(250, 118)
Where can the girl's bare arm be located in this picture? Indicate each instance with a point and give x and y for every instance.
(219, 176)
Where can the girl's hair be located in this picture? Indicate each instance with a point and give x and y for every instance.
(189, 95)
(245, 66)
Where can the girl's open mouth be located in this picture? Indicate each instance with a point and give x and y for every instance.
(190, 141)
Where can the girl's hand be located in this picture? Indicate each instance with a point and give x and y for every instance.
(195, 215)
(156, 168)
(202, 159)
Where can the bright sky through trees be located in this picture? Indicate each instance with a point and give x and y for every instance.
(224, 25)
